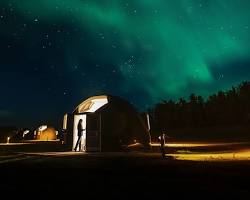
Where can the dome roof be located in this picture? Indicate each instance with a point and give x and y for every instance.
(45, 133)
(95, 103)
(121, 123)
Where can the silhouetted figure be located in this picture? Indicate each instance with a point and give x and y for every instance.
(162, 147)
(79, 133)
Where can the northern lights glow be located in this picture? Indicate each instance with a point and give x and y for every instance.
(144, 50)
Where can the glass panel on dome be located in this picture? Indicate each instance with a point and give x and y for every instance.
(93, 104)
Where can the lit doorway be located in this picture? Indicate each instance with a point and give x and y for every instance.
(75, 136)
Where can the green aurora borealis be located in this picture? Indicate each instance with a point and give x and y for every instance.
(143, 50)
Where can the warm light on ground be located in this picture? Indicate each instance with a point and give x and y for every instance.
(195, 144)
(227, 156)
(12, 144)
(204, 154)
(190, 151)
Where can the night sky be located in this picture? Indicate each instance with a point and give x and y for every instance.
(56, 53)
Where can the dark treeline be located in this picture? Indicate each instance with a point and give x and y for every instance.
(226, 108)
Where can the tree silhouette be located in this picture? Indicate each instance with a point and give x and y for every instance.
(225, 108)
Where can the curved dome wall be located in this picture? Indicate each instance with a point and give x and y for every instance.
(117, 121)
(45, 133)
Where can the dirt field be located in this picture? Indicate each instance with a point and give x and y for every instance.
(124, 175)
(121, 175)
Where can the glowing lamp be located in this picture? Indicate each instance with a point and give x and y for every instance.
(8, 140)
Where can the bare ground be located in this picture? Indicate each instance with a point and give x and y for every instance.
(121, 175)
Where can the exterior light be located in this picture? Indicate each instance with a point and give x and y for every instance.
(8, 140)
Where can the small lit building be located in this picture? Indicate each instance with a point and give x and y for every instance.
(45, 133)
(110, 123)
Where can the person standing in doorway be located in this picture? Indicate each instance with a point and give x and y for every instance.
(79, 134)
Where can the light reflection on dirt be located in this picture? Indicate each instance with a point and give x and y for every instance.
(194, 151)
(213, 156)
(197, 144)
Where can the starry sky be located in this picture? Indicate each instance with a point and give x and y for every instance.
(56, 53)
